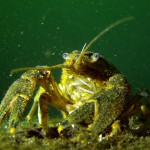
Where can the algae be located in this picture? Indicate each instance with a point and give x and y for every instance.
(29, 136)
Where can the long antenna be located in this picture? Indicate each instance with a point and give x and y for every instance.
(84, 49)
(36, 68)
(107, 29)
(101, 34)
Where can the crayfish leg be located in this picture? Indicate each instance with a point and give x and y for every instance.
(116, 128)
(35, 103)
(44, 99)
(43, 111)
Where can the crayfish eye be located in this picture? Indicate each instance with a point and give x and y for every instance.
(65, 56)
(95, 57)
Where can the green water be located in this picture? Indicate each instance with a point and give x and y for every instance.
(37, 32)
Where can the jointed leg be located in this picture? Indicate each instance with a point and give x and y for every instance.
(35, 103)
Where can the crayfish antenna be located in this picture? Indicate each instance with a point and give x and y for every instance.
(84, 49)
(37, 68)
(103, 32)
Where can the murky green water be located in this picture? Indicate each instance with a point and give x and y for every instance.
(38, 32)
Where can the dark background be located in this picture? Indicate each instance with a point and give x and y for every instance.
(38, 32)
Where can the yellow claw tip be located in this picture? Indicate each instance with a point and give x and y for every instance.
(12, 130)
(145, 110)
(60, 128)
(116, 125)
(29, 117)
